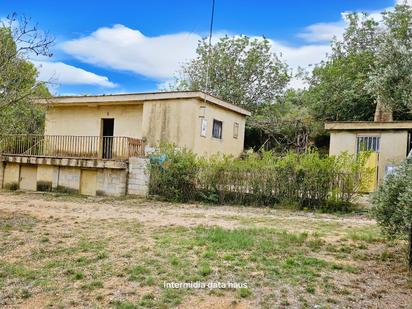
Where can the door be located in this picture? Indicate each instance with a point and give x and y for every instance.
(107, 134)
(370, 182)
(88, 182)
(28, 177)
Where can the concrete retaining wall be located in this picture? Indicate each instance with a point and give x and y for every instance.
(47, 177)
(69, 179)
(138, 176)
(111, 182)
(11, 176)
(115, 181)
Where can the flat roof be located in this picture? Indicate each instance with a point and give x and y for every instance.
(139, 98)
(368, 125)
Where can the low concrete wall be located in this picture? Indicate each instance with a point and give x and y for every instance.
(138, 176)
(11, 176)
(114, 181)
(47, 177)
(69, 180)
(111, 182)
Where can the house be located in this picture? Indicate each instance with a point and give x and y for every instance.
(390, 142)
(202, 123)
(97, 144)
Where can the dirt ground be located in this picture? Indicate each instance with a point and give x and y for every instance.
(37, 270)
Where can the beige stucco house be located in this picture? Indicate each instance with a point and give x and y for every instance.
(97, 145)
(199, 122)
(390, 141)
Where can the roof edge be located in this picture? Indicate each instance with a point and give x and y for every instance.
(367, 125)
(144, 96)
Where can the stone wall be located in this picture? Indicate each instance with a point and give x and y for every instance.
(138, 176)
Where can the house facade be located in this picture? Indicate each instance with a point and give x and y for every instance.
(390, 142)
(97, 145)
(202, 123)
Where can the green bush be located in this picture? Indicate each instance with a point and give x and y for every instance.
(392, 205)
(306, 180)
(175, 178)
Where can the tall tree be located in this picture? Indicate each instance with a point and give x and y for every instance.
(337, 85)
(391, 77)
(241, 70)
(372, 62)
(20, 40)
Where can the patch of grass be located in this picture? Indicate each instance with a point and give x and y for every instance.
(138, 273)
(78, 275)
(205, 270)
(244, 292)
(93, 285)
(19, 271)
(123, 305)
(370, 235)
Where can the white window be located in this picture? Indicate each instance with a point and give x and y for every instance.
(203, 127)
(235, 130)
(217, 129)
(368, 143)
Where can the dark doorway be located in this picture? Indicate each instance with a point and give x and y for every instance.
(107, 133)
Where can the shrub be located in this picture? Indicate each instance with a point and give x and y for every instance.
(392, 205)
(306, 180)
(173, 174)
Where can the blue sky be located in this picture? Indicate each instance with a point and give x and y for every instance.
(135, 46)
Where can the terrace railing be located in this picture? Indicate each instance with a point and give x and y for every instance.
(67, 146)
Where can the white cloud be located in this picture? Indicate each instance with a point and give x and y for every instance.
(62, 73)
(322, 32)
(301, 56)
(408, 2)
(122, 48)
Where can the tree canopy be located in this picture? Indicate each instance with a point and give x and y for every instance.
(241, 70)
(18, 76)
(372, 61)
(391, 77)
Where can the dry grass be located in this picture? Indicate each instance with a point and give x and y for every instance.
(64, 251)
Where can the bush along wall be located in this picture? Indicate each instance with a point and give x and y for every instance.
(304, 180)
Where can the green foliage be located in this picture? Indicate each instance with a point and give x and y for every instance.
(391, 79)
(371, 62)
(18, 77)
(175, 178)
(305, 180)
(240, 70)
(392, 203)
(337, 85)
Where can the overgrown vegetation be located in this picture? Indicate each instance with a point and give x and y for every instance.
(393, 205)
(304, 180)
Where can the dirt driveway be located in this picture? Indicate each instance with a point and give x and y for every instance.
(65, 251)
